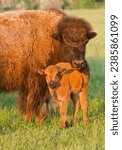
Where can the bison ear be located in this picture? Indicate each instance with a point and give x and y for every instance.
(57, 36)
(91, 35)
(41, 71)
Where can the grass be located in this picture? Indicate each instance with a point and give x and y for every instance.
(15, 134)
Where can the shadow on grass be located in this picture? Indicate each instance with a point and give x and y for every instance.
(97, 78)
(8, 100)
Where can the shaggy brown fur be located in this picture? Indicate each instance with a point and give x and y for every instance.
(64, 81)
(32, 39)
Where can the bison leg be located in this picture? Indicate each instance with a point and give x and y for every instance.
(22, 102)
(75, 107)
(83, 102)
(40, 112)
(28, 116)
(29, 107)
(40, 115)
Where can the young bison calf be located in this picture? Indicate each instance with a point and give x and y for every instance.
(64, 82)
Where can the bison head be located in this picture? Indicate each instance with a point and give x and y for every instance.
(74, 34)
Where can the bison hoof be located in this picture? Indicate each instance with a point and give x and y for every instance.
(39, 121)
(27, 118)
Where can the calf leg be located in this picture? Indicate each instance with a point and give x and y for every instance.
(75, 107)
(47, 101)
(55, 107)
(83, 102)
(63, 110)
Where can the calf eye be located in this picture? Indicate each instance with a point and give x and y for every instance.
(58, 74)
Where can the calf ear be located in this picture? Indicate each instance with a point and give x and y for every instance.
(69, 71)
(65, 71)
(41, 71)
(57, 36)
(91, 35)
(61, 70)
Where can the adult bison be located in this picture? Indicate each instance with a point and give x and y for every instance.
(35, 39)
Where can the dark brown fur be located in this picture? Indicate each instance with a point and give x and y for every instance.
(32, 39)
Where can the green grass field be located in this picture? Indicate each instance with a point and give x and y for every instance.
(15, 134)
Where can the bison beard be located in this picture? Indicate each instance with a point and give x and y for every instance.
(35, 39)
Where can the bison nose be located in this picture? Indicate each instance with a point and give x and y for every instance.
(52, 84)
(77, 63)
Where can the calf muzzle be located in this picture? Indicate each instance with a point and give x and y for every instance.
(52, 84)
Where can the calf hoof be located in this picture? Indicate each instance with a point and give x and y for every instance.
(54, 111)
(65, 125)
(73, 122)
(85, 121)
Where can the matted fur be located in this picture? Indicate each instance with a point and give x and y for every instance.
(74, 30)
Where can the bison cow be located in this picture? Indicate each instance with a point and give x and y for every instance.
(33, 39)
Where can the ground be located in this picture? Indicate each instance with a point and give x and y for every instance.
(15, 134)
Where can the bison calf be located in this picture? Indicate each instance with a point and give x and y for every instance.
(64, 81)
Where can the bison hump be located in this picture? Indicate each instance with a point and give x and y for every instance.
(15, 37)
